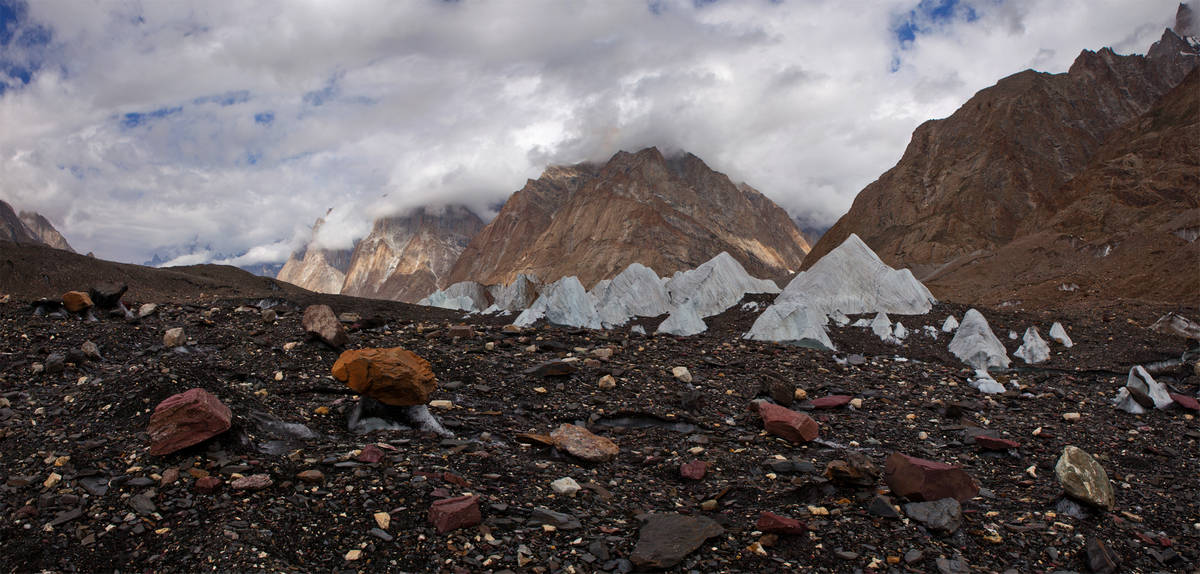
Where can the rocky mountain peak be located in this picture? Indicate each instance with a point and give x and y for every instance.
(1185, 21)
(29, 227)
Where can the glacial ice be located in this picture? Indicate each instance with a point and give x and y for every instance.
(683, 321)
(1140, 382)
(564, 302)
(792, 321)
(1033, 348)
(950, 325)
(516, 296)
(716, 285)
(975, 344)
(1058, 333)
(635, 292)
(881, 325)
(461, 296)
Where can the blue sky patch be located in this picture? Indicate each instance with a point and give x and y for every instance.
(264, 118)
(328, 92)
(927, 18)
(226, 99)
(133, 120)
(21, 45)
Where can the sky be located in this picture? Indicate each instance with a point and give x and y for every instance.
(216, 130)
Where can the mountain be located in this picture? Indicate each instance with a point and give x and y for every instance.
(592, 221)
(315, 268)
(407, 257)
(29, 227)
(404, 258)
(1000, 168)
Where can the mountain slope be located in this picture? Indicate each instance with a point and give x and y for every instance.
(969, 182)
(407, 257)
(315, 268)
(29, 227)
(592, 221)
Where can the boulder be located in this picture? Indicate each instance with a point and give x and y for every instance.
(186, 419)
(1083, 478)
(926, 480)
(394, 376)
(107, 295)
(77, 301)
(794, 426)
(666, 539)
(942, 515)
(1033, 348)
(320, 322)
(454, 513)
(582, 443)
(975, 344)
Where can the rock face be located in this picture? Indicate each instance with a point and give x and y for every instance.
(666, 539)
(315, 268)
(1083, 478)
(927, 480)
(975, 344)
(404, 258)
(592, 221)
(185, 419)
(407, 257)
(392, 376)
(1105, 151)
(29, 227)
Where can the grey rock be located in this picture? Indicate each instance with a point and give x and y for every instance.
(1083, 478)
(666, 539)
(944, 515)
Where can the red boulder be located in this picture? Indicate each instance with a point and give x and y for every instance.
(927, 480)
(185, 419)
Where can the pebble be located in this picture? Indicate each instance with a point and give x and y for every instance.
(353, 555)
(383, 519)
(607, 382)
(1071, 417)
(682, 374)
(565, 486)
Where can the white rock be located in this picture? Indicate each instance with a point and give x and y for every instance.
(1012, 335)
(881, 325)
(516, 296)
(684, 321)
(147, 310)
(563, 302)
(1059, 334)
(793, 322)
(852, 279)
(682, 374)
(174, 337)
(950, 325)
(565, 486)
(635, 292)
(975, 344)
(716, 285)
(1141, 380)
(1033, 348)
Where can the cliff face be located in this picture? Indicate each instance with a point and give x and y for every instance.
(408, 257)
(970, 182)
(592, 221)
(404, 258)
(29, 227)
(1097, 156)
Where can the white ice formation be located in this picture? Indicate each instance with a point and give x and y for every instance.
(715, 285)
(516, 296)
(950, 325)
(635, 292)
(683, 321)
(1058, 333)
(564, 302)
(461, 296)
(1141, 385)
(792, 321)
(975, 344)
(1034, 348)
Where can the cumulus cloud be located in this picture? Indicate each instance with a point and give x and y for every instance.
(144, 127)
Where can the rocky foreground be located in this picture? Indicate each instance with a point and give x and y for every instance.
(556, 450)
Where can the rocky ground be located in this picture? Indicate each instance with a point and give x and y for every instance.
(79, 490)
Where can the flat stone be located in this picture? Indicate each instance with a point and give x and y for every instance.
(580, 442)
(76, 301)
(559, 520)
(394, 376)
(794, 426)
(944, 515)
(185, 419)
(773, 523)
(1185, 401)
(987, 442)
(551, 369)
(311, 476)
(252, 482)
(319, 321)
(925, 480)
(1083, 478)
(666, 539)
(454, 513)
(831, 401)
(694, 470)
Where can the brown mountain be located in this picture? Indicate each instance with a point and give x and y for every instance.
(592, 221)
(404, 258)
(407, 257)
(997, 170)
(29, 227)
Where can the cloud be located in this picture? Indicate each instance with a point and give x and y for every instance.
(144, 127)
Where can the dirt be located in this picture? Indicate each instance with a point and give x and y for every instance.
(95, 412)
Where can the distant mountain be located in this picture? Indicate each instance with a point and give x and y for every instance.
(1002, 166)
(29, 227)
(592, 221)
(404, 258)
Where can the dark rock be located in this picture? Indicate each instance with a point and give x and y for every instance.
(56, 363)
(551, 369)
(831, 401)
(771, 522)
(141, 504)
(952, 566)
(1100, 558)
(460, 331)
(311, 476)
(666, 539)
(943, 515)
(559, 520)
(882, 507)
(394, 376)
(107, 295)
(694, 470)
(320, 322)
(782, 392)
(857, 471)
(794, 426)
(185, 419)
(207, 484)
(1185, 401)
(454, 513)
(90, 350)
(925, 480)
(986, 442)
(370, 454)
